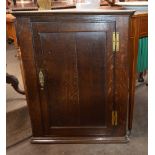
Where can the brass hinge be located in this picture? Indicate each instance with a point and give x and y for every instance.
(114, 118)
(115, 41)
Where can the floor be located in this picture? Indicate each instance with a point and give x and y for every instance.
(17, 118)
(138, 144)
(13, 68)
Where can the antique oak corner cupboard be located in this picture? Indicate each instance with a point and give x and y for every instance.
(76, 67)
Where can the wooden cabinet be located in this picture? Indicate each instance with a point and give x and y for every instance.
(139, 28)
(77, 75)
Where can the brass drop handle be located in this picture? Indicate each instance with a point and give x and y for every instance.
(41, 80)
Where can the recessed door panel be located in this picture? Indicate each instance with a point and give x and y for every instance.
(60, 62)
(91, 47)
(78, 65)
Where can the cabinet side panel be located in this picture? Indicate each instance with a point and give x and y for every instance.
(25, 42)
(122, 73)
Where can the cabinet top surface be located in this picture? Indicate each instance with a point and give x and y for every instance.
(77, 11)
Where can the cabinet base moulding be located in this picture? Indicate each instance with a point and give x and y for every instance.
(79, 140)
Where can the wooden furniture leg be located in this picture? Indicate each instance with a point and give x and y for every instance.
(11, 35)
(11, 79)
(140, 77)
(21, 67)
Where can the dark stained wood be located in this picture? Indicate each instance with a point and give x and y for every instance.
(31, 78)
(76, 99)
(84, 79)
(91, 62)
(122, 73)
(79, 140)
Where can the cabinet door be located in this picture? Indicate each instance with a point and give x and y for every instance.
(76, 62)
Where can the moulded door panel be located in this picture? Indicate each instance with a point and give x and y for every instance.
(77, 99)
